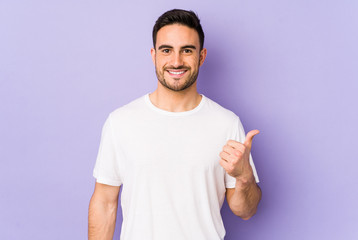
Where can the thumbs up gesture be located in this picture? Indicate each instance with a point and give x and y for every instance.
(235, 157)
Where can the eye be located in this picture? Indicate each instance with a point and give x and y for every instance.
(188, 51)
(166, 50)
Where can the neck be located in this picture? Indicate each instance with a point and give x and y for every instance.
(173, 101)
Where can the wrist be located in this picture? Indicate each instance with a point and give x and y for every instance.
(244, 181)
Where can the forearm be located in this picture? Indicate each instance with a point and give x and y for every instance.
(245, 198)
(101, 219)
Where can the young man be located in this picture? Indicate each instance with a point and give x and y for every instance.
(176, 152)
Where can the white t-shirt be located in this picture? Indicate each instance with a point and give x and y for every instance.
(168, 163)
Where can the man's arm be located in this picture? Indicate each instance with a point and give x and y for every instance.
(244, 198)
(102, 212)
(235, 159)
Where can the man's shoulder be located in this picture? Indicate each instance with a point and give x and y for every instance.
(220, 111)
(131, 108)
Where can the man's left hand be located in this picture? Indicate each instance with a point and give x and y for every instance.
(235, 157)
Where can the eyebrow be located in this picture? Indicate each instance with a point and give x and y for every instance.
(168, 46)
(164, 46)
(189, 46)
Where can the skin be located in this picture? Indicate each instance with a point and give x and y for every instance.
(178, 50)
(102, 212)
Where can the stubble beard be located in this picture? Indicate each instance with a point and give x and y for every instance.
(190, 81)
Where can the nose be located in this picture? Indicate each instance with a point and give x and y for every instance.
(177, 59)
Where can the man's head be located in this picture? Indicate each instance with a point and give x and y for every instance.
(178, 51)
(182, 17)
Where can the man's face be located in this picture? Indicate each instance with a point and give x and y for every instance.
(177, 56)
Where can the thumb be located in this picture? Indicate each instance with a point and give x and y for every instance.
(249, 136)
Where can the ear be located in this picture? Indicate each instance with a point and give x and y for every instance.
(202, 57)
(152, 52)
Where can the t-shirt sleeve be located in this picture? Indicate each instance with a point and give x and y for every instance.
(106, 169)
(239, 135)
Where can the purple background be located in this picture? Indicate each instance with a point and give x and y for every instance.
(287, 68)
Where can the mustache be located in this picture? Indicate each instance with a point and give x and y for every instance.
(177, 68)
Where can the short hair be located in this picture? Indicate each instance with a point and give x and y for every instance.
(179, 16)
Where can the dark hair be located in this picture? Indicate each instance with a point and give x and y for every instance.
(179, 16)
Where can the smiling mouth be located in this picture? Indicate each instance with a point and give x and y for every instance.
(176, 73)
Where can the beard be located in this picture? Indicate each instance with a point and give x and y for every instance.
(189, 80)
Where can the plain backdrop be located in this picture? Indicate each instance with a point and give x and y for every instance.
(287, 68)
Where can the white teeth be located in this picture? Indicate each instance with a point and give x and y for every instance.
(177, 73)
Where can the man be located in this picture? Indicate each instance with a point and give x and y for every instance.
(175, 151)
